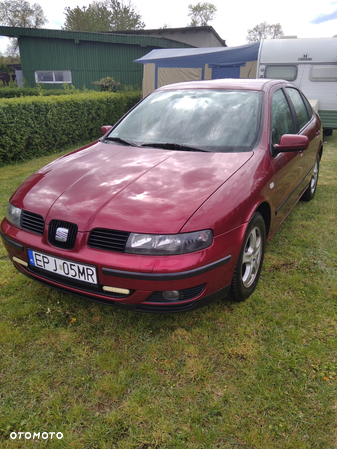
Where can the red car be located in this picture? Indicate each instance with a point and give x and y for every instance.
(173, 206)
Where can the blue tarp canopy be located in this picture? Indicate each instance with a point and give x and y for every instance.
(172, 65)
(197, 57)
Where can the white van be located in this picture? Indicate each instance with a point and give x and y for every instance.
(309, 63)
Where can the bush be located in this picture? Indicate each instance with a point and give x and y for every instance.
(107, 84)
(36, 126)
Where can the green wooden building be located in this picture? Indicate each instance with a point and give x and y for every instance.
(55, 57)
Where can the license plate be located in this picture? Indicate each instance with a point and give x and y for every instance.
(67, 268)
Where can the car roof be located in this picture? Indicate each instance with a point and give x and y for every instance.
(227, 83)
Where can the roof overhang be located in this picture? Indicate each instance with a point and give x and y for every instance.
(79, 36)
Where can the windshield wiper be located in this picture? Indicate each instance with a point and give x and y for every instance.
(120, 140)
(173, 146)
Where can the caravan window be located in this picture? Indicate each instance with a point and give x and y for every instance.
(282, 72)
(323, 73)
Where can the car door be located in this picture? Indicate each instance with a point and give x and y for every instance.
(292, 170)
(285, 164)
(307, 126)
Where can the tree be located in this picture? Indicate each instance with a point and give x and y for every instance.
(20, 13)
(201, 14)
(12, 48)
(110, 15)
(124, 16)
(93, 19)
(264, 31)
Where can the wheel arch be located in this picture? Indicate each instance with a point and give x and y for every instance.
(265, 211)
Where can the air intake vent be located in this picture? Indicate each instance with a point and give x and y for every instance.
(62, 234)
(32, 222)
(108, 239)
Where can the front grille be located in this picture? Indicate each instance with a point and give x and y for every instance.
(72, 234)
(32, 222)
(108, 239)
(185, 295)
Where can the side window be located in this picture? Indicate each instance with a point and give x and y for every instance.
(281, 119)
(300, 109)
(282, 72)
(308, 105)
(53, 76)
(323, 73)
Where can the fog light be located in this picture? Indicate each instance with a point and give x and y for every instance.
(172, 295)
(123, 291)
(21, 262)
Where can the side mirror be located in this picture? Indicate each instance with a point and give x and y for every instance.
(105, 129)
(291, 142)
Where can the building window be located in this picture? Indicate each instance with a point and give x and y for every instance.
(53, 76)
(281, 72)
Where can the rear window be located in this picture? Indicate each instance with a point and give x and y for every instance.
(213, 120)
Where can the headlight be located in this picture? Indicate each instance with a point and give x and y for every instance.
(13, 214)
(161, 245)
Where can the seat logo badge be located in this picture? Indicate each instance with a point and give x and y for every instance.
(61, 234)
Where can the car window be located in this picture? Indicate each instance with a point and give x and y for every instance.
(300, 109)
(308, 106)
(210, 119)
(281, 121)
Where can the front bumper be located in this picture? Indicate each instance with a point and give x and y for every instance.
(199, 277)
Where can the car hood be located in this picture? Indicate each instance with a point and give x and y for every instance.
(142, 190)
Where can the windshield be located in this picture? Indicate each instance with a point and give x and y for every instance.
(204, 119)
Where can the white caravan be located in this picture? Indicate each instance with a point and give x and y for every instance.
(309, 63)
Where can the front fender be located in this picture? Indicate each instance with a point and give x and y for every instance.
(235, 202)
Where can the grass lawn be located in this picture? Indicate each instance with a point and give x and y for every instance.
(259, 374)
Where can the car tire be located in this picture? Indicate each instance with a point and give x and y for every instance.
(311, 189)
(249, 264)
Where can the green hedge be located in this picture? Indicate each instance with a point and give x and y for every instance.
(15, 92)
(35, 126)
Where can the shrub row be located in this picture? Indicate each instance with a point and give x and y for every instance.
(15, 92)
(36, 126)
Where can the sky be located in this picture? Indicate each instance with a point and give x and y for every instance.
(233, 19)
